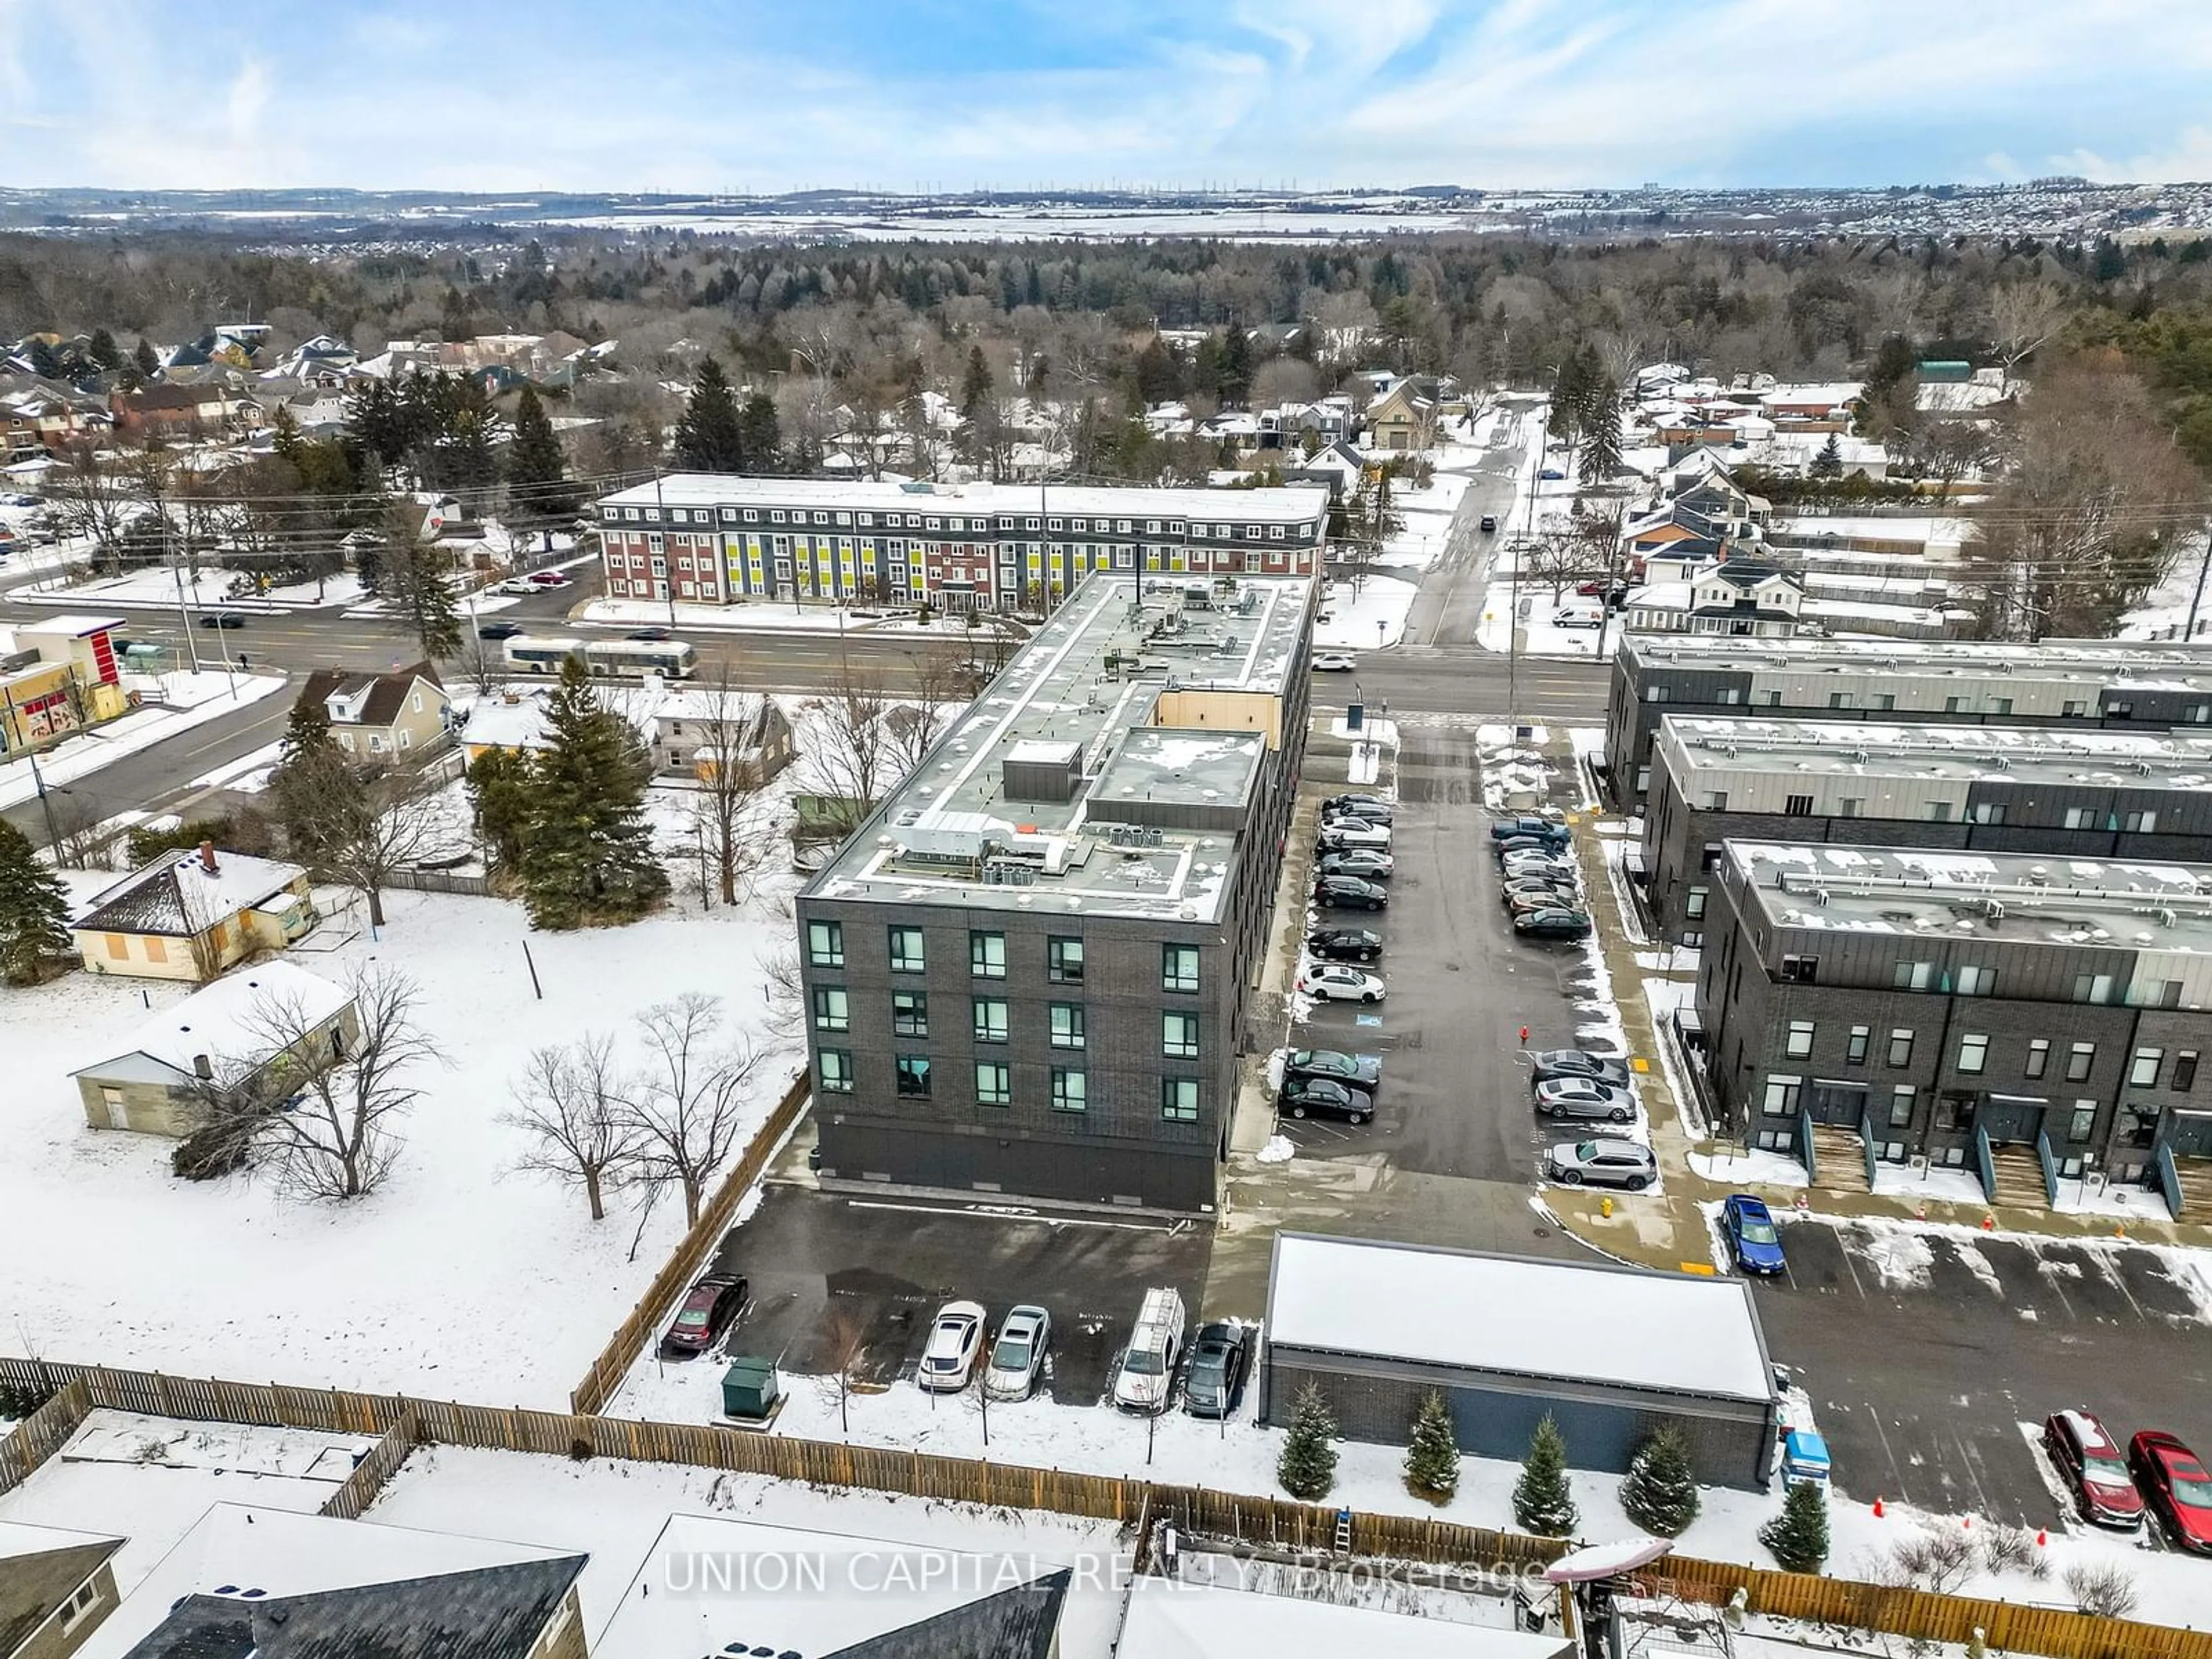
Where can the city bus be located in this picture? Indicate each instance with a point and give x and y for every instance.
(538, 653)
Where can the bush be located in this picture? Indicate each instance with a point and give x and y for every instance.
(1432, 1454)
(2014, 1549)
(1661, 1492)
(2104, 1590)
(1307, 1467)
(1798, 1537)
(148, 843)
(1938, 1556)
(1543, 1502)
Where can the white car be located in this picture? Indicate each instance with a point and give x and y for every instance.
(1347, 832)
(949, 1359)
(1018, 1356)
(515, 585)
(1336, 983)
(1334, 662)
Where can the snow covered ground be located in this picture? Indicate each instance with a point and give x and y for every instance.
(1368, 615)
(2163, 613)
(189, 699)
(159, 587)
(808, 619)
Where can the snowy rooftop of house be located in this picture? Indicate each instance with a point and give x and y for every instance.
(2032, 898)
(2024, 754)
(180, 895)
(1169, 1621)
(1131, 743)
(1014, 503)
(75, 626)
(713, 1585)
(2087, 662)
(225, 1020)
(1346, 1296)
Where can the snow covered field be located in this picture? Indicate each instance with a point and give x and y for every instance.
(189, 700)
(160, 587)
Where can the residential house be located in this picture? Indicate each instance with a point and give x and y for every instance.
(219, 1037)
(320, 361)
(55, 1587)
(1403, 419)
(1699, 594)
(39, 416)
(190, 916)
(382, 717)
(57, 675)
(1285, 427)
(170, 410)
(693, 730)
(1338, 468)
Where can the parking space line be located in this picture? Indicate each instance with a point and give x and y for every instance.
(1969, 1458)
(1887, 1451)
(1843, 1244)
(1049, 1220)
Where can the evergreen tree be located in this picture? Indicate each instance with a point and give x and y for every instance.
(761, 436)
(1600, 457)
(498, 783)
(710, 437)
(149, 362)
(413, 575)
(976, 385)
(1661, 1492)
(1829, 463)
(1432, 1454)
(587, 855)
(1307, 1468)
(1543, 1503)
(318, 796)
(1236, 365)
(105, 355)
(538, 487)
(44, 363)
(1799, 1535)
(33, 911)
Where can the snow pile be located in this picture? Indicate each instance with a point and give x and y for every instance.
(1279, 1149)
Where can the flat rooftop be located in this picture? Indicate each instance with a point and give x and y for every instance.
(2096, 662)
(2017, 897)
(1292, 504)
(1813, 748)
(1149, 699)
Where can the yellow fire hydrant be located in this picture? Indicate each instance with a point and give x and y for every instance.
(1605, 1207)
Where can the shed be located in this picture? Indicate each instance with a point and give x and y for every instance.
(1609, 1352)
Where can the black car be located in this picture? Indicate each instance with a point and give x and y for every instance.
(1368, 811)
(649, 634)
(1552, 924)
(707, 1312)
(1490, 524)
(1361, 1071)
(1322, 1097)
(498, 630)
(221, 619)
(1214, 1377)
(1345, 944)
(1356, 803)
(1508, 828)
(1549, 1063)
(1349, 893)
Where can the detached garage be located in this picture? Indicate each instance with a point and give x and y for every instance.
(1610, 1352)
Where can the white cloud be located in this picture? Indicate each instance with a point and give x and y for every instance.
(2188, 158)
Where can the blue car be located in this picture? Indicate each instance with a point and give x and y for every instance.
(1752, 1240)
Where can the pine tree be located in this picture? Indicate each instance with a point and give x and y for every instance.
(1829, 463)
(105, 354)
(413, 574)
(538, 487)
(318, 796)
(1236, 365)
(1661, 1492)
(710, 438)
(149, 363)
(1600, 457)
(762, 437)
(33, 911)
(1307, 1468)
(498, 783)
(44, 363)
(1799, 1535)
(587, 850)
(1432, 1454)
(1543, 1503)
(974, 386)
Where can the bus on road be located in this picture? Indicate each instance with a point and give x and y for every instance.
(539, 653)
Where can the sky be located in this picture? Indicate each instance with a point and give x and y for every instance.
(770, 96)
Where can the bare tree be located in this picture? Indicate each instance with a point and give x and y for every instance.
(83, 838)
(2022, 317)
(1559, 554)
(690, 1104)
(729, 766)
(572, 1104)
(942, 683)
(844, 1343)
(356, 825)
(850, 740)
(93, 497)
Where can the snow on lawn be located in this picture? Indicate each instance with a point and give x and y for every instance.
(162, 586)
(808, 619)
(2164, 612)
(1367, 619)
(192, 699)
(427, 1287)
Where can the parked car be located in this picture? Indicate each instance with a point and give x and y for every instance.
(1575, 1062)
(1578, 616)
(1542, 845)
(1345, 944)
(1579, 1096)
(1551, 475)
(1601, 1164)
(1362, 1070)
(1349, 893)
(1507, 829)
(1531, 861)
(498, 630)
(1490, 524)
(1553, 924)
(1213, 1382)
(1332, 982)
(1555, 890)
(546, 578)
(1753, 1245)
(955, 1339)
(1145, 1377)
(515, 585)
(709, 1308)
(1363, 862)
(1346, 833)
(1365, 806)
(650, 634)
(1553, 897)
(221, 619)
(2176, 1487)
(1334, 662)
(1017, 1364)
(1323, 1097)
(2094, 1469)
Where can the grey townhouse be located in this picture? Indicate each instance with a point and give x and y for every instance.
(1026, 972)
(2072, 685)
(2096, 793)
(2036, 1021)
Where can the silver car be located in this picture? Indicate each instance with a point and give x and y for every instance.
(1017, 1365)
(1601, 1164)
(1585, 1098)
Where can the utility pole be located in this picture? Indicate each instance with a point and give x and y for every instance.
(2189, 632)
(45, 805)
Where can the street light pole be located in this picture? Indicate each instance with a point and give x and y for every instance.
(45, 807)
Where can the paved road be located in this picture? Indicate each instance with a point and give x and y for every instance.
(1454, 588)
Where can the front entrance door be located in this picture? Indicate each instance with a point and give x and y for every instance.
(118, 1116)
(2010, 1119)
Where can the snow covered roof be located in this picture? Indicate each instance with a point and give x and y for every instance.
(1169, 1621)
(222, 1020)
(1466, 1310)
(179, 895)
(40, 1568)
(1292, 505)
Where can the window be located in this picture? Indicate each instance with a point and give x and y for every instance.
(2185, 1069)
(1840, 700)
(1067, 1093)
(1782, 1095)
(2081, 817)
(1179, 1036)
(2001, 705)
(2074, 706)
(1958, 705)
(1913, 976)
(2083, 1122)
(1855, 1051)
(2093, 987)
(1797, 806)
(2121, 711)
(1063, 960)
(833, 1067)
(2039, 1057)
(2140, 823)
(913, 1076)
(2168, 995)
(906, 951)
(1900, 1048)
(75, 1608)
(987, 954)
(1179, 967)
(1851, 806)
(909, 1013)
(1693, 903)
(1716, 800)
(1977, 982)
(1987, 812)
(991, 1019)
(1179, 1099)
(1882, 700)
(1800, 970)
(1939, 811)
(832, 1010)
(2081, 1059)
(1800, 1044)
(2142, 1070)
(1067, 1025)
(1903, 1099)
(993, 1084)
(1973, 1053)
(1655, 693)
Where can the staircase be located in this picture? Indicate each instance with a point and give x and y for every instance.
(1839, 1159)
(2019, 1178)
(2193, 1176)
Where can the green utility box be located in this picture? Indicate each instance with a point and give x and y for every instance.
(748, 1388)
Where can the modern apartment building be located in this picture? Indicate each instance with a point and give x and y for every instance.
(2072, 685)
(2032, 1020)
(2093, 793)
(1027, 971)
(722, 539)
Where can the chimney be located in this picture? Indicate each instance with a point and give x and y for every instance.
(202, 1067)
(207, 859)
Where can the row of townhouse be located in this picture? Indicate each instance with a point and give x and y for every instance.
(719, 538)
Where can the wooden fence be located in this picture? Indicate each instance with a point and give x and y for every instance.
(438, 881)
(697, 1244)
(361, 1489)
(1232, 1518)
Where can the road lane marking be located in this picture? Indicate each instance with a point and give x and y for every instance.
(1895, 1468)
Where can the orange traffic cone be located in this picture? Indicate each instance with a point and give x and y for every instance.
(1989, 1224)
(1967, 1524)
(1923, 1209)
(1877, 1508)
(2042, 1537)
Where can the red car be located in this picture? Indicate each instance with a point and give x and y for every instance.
(2089, 1460)
(2177, 1486)
(708, 1309)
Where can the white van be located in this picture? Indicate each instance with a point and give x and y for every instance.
(1587, 613)
(1145, 1375)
